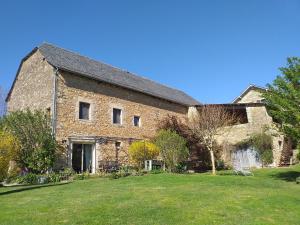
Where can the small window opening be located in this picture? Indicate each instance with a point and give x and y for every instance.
(136, 121)
(84, 111)
(117, 116)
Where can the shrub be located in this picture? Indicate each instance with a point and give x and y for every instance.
(172, 148)
(114, 175)
(29, 178)
(298, 180)
(263, 143)
(139, 151)
(196, 149)
(9, 148)
(37, 145)
(82, 176)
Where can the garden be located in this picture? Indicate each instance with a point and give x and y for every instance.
(271, 196)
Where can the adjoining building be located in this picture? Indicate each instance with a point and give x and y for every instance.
(254, 119)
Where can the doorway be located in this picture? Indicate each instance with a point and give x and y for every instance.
(82, 158)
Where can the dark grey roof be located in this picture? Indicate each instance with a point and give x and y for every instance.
(69, 61)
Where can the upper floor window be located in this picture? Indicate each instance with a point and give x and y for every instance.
(261, 100)
(136, 121)
(84, 111)
(117, 116)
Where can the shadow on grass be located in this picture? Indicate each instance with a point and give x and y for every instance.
(31, 187)
(289, 176)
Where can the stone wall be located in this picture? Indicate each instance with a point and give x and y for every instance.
(258, 121)
(103, 97)
(34, 85)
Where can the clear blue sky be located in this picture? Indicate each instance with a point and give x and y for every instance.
(210, 49)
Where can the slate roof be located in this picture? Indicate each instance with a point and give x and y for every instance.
(73, 62)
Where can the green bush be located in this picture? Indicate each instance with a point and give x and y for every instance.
(29, 178)
(157, 171)
(172, 148)
(82, 176)
(114, 175)
(38, 147)
(263, 143)
(181, 168)
(32, 178)
(298, 180)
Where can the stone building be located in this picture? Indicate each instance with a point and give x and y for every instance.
(254, 119)
(97, 110)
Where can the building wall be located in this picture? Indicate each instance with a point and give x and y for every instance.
(34, 85)
(252, 95)
(103, 98)
(258, 121)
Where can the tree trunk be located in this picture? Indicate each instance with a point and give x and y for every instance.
(212, 157)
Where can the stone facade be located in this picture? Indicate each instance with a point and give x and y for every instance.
(258, 121)
(99, 129)
(33, 86)
(34, 89)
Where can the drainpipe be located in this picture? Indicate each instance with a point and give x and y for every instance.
(54, 100)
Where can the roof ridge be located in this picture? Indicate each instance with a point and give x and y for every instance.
(74, 62)
(107, 64)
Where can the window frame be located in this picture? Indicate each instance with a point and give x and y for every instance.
(121, 116)
(139, 121)
(81, 103)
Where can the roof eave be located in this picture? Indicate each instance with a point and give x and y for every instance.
(132, 89)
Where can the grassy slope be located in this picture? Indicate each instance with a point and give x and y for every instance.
(270, 197)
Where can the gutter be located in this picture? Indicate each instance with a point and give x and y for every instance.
(54, 102)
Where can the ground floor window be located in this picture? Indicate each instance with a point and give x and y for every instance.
(82, 158)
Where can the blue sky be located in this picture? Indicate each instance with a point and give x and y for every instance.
(210, 49)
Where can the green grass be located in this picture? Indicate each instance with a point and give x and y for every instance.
(270, 197)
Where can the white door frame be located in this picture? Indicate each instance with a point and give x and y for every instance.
(82, 141)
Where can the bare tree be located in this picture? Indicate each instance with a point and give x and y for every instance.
(2, 102)
(207, 122)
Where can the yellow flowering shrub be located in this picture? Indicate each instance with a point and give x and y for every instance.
(139, 151)
(9, 146)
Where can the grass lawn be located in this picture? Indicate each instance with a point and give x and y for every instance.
(270, 197)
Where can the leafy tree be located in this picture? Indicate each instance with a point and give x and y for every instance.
(37, 145)
(139, 151)
(283, 99)
(9, 148)
(172, 148)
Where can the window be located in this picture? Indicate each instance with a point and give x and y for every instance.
(84, 111)
(117, 116)
(261, 100)
(136, 121)
(118, 147)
